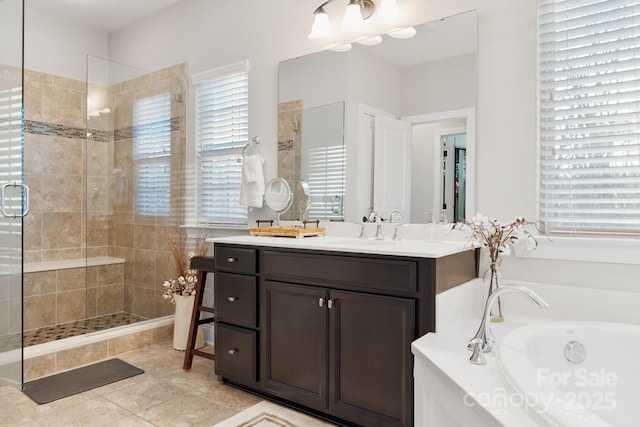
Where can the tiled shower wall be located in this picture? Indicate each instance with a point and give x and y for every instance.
(289, 149)
(79, 206)
(142, 240)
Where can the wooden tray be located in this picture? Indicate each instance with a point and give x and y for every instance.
(282, 231)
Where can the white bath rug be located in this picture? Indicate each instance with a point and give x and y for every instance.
(267, 414)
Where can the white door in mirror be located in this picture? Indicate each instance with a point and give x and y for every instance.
(392, 166)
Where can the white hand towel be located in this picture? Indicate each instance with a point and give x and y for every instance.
(252, 182)
(252, 168)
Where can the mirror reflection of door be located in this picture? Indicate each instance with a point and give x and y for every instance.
(392, 168)
(453, 176)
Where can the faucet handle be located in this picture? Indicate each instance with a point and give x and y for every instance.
(363, 230)
(396, 234)
(477, 357)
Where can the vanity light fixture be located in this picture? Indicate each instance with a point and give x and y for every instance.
(356, 13)
(353, 24)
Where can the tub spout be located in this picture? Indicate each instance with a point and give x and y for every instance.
(483, 340)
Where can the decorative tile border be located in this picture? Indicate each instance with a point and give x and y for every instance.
(285, 145)
(128, 132)
(55, 129)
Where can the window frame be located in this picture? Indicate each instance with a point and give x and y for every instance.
(570, 231)
(194, 215)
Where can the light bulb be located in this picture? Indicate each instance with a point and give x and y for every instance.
(342, 48)
(403, 33)
(388, 12)
(352, 21)
(371, 41)
(321, 29)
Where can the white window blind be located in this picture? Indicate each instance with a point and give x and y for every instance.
(327, 167)
(221, 131)
(152, 155)
(589, 95)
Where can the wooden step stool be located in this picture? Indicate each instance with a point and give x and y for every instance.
(204, 265)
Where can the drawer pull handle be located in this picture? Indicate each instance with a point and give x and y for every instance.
(232, 259)
(232, 299)
(233, 351)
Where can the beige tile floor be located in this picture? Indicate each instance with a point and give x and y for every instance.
(165, 395)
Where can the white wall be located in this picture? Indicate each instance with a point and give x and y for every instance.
(59, 46)
(444, 85)
(317, 79)
(212, 33)
(11, 31)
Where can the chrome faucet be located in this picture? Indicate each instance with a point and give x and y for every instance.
(395, 216)
(483, 340)
(374, 217)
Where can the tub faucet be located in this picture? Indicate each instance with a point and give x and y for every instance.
(483, 340)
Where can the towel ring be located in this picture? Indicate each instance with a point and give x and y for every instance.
(255, 140)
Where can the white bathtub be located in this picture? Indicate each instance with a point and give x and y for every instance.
(601, 390)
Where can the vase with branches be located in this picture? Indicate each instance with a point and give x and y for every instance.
(499, 238)
(186, 279)
(181, 289)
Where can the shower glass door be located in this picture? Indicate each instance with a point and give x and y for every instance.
(13, 193)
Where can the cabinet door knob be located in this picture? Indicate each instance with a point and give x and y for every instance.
(232, 259)
(232, 299)
(330, 303)
(233, 351)
(320, 302)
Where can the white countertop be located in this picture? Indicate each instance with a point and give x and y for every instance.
(407, 247)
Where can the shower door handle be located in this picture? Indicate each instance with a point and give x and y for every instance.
(3, 207)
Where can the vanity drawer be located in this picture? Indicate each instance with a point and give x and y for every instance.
(236, 353)
(344, 271)
(235, 299)
(234, 259)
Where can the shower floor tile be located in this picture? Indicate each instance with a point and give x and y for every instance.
(66, 330)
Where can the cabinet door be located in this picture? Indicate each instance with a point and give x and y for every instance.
(294, 349)
(370, 361)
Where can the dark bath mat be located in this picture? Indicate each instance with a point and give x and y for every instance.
(48, 389)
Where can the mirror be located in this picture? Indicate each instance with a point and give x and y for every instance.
(389, 127)
(277, 196)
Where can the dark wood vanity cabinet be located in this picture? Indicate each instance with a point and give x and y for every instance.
(332, 331)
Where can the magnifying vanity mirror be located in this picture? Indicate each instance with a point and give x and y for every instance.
(278, 197)
(383, 128)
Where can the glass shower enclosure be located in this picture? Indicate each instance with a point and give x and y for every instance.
(14, 196)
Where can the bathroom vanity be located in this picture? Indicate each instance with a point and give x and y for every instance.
(326, 324)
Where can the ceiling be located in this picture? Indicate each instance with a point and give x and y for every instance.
(109, 15)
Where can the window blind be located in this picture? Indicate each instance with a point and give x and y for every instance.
(221, 131)
(326, 171)
(589, 96)
(152, 155)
